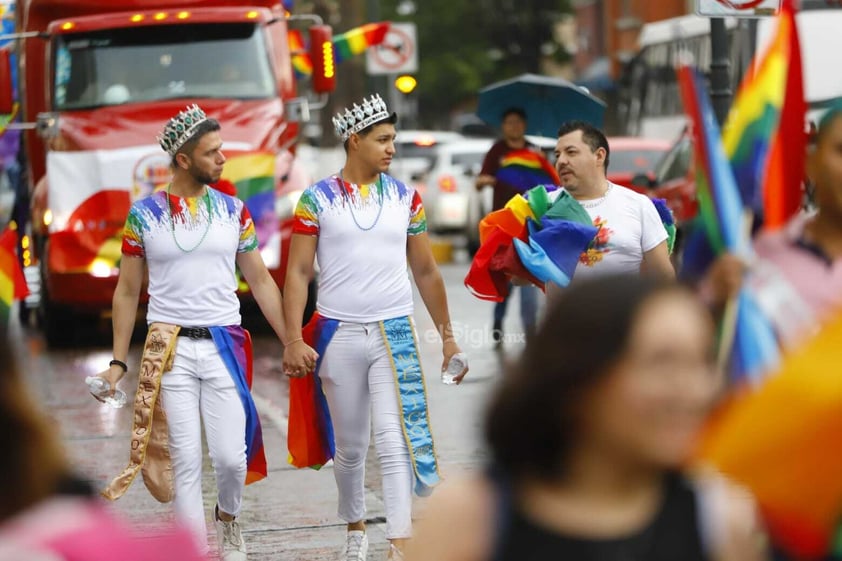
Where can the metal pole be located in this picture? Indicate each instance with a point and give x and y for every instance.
(720, 65)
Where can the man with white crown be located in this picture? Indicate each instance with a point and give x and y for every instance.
(195, 362)
(365, 226)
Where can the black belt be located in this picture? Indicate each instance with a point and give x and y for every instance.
(195, 332)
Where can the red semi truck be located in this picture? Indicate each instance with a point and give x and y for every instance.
(99, 78)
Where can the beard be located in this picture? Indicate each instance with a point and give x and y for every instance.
(201, 176)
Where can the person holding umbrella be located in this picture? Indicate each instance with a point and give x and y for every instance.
(513, 127)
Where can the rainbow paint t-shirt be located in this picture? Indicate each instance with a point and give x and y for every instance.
(194, 284)
(362, 233)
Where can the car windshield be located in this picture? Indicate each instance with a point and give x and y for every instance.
(115, 66)
(634, 161)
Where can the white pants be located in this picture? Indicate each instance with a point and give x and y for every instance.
(198, 383)
(359, 384)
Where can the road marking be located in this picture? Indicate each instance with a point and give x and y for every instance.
(274, 413)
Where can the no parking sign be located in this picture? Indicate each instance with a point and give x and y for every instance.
(397, 54)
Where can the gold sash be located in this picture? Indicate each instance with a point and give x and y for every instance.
(150, 453)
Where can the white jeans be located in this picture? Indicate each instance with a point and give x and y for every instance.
(359, 384)
(198, 383)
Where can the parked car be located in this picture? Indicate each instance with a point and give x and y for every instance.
(415, 152)
(632, 157)
(674, 180)
(447, 186)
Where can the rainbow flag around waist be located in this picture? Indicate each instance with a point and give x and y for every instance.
(310, 435)
(234, 346)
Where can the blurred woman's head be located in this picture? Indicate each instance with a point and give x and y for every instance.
(33, 464)
(620, 364)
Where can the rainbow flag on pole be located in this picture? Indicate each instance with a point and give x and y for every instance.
(345, 45)
(764, 136)
(357, 40)
(12, 282)
(752, 350)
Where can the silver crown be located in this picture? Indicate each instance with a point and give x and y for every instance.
(180, 128)
(357, 118)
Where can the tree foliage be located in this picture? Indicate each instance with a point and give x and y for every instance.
(464, 46)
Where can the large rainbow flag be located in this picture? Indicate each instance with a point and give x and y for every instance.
(781, 440)
(753, 349)
(12, 282)
(764, 136)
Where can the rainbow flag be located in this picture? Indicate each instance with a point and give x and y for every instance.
(345, 45)
(781, 441)
(251, 177)
(357, 40)
(301, 63)
(754, 350)
(764, 135)
(524, 169)
(12, 282)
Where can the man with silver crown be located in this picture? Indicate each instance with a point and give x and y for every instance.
(365, 226)
(195, 365)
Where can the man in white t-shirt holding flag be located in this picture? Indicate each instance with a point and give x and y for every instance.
(631, 237)
(365, 227)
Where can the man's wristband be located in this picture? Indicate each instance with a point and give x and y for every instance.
(119, 363)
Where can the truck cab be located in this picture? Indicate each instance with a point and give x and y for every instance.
(100, 80)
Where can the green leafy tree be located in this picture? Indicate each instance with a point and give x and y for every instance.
(465, 45)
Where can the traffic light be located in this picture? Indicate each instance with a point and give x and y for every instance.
(405, 83)
(321, 53)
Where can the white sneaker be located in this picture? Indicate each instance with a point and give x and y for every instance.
(229, 538)
(356, 546)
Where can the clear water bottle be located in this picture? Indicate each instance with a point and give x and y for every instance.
(457, 364)
(100, 388)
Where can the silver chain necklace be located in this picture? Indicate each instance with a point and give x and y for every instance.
(345, 195)
(172, 221)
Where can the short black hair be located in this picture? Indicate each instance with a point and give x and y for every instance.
(533, 416)
(209, 125)
(591, 135)
(514, 111)
(390, 120)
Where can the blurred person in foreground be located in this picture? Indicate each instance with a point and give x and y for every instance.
(513, 127)
(631, 237)
(48, 513)
(588, 435)
(797, 273)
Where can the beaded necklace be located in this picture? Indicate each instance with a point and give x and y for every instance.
(379, 185)
(172, 221)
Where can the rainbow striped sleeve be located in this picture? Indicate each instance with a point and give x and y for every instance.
(248, 237)
(417, 218)
(133, 234)
(306, 220)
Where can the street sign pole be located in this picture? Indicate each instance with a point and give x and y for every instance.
(720, 65)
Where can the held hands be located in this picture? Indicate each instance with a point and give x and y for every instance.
(299, 359)
(450, 348)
